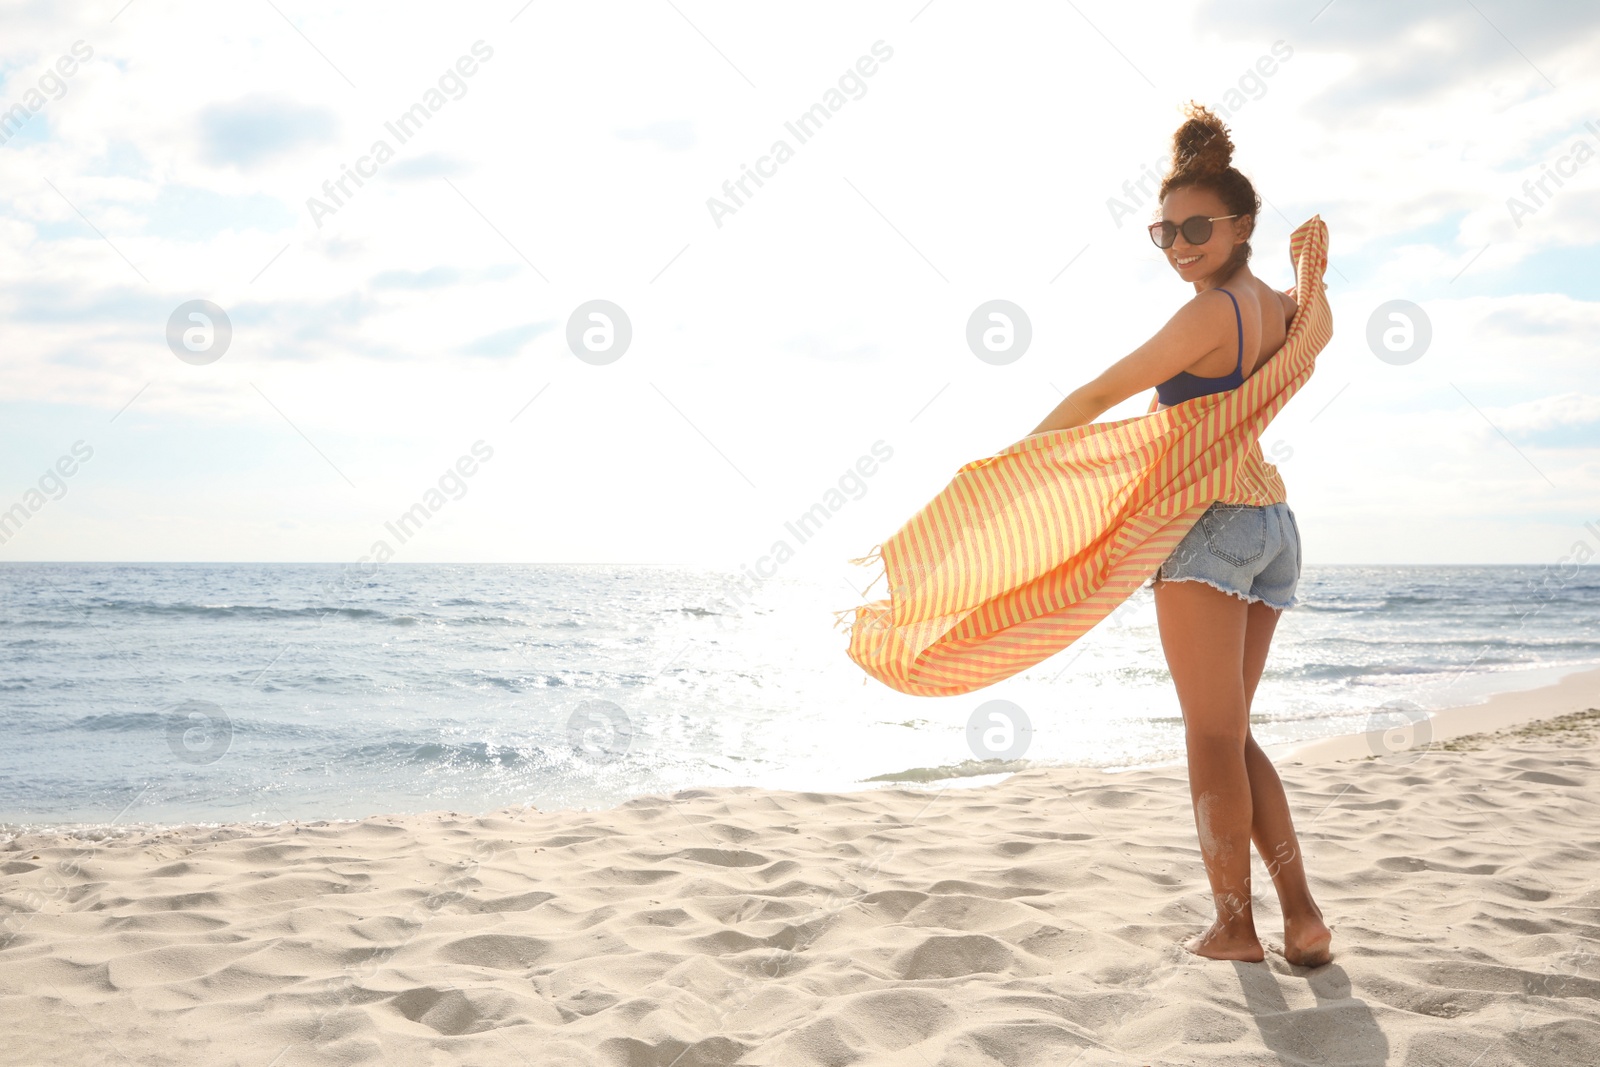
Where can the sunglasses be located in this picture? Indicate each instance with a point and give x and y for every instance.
(1196, 230)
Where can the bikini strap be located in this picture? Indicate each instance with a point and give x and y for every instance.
(1238, 364)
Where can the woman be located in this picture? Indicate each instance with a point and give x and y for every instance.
(1219, 593)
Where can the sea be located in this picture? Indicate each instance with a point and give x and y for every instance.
(134, 695)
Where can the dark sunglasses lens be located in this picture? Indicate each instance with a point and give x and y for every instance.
(1163, 233)
(1197, 229)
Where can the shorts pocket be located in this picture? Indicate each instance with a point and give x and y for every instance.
(1297, 549)
(1237, 534)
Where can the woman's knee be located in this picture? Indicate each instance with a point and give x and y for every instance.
(1216, 736)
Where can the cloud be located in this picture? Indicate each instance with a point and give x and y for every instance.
(1567, 420)
(187, 213)
(830, 349)
(306, 329)
(31, 129)
(1411, 53)
(257, 128)
(436, 278)
(675, 135)
(1522, 322)
(429, 165)
(507, 342)
(120, 159)
(59, 302)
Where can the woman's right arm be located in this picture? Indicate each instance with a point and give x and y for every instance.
(1199, 327)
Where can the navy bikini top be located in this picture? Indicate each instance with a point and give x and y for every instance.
(1185, 386)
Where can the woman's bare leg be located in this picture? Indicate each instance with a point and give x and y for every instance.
(1305, 936)
(1202, 631)
(1203, 635)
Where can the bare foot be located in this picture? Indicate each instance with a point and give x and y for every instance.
(1306, 941)
(1222, 943)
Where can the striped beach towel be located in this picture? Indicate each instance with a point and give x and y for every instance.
(1024, 551)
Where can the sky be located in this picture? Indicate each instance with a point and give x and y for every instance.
(421, 335)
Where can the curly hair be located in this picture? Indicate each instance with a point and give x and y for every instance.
(1202, 158)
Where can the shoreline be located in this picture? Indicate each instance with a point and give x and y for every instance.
(1577, 689)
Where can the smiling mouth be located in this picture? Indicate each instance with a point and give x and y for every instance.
(1182, 262)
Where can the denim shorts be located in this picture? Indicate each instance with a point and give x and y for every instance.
(1249, 550)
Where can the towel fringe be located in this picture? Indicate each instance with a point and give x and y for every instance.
(867, 618)
(881, 573)
(876, 553)
(875, 556)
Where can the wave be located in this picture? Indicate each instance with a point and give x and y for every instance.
(965, 769)
(161, 721)
(1513, 601)
(119, 721)
(597, 681)
(327, 746)
(229, 611)
(264, 612)
(470, 753)
(1343, 671)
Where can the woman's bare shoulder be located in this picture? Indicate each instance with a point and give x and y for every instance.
(1290, 306)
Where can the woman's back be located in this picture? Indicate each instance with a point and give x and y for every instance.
(1261, 317)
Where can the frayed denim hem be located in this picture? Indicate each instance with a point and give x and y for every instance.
(1246, 597)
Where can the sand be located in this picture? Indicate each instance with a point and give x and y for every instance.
(1034, 921)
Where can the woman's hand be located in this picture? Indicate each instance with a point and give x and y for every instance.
(1081, 407)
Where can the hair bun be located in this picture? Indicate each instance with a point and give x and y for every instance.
(1202, 158)
(1201, 145)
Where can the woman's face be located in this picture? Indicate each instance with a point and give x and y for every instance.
(1194, 262)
